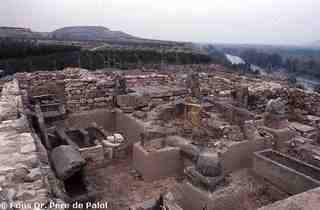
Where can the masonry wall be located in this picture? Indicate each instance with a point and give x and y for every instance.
(94, 156)
(86, 94)
(78, 89)
(43, 83)
(240, 154)
(305, 100)
(162, 163)
(195, 199)
(102, 117)
(20, 170)
(112, 121)
(130, 127)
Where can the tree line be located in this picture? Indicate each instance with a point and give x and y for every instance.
(28, 56)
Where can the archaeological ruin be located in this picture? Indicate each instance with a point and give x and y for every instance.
(194, 138)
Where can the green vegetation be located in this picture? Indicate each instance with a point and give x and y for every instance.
(28, 56)
(13, 48)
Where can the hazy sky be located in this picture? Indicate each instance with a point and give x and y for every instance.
(235, 21)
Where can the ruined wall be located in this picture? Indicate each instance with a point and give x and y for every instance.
(94, 156)
(112, 121)
(234, 115)
(240, 154)
(87, 93)
(130, 127)
(305, 100)
(261, 92)
(194, 199)
(85, 90)
(158, 164)
(2, 82)
(78, 89)
(102, 117)
(21, 175)
(43, 83)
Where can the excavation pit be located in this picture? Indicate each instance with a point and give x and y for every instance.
(289, 174)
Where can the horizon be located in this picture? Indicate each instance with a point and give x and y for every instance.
(240, 22)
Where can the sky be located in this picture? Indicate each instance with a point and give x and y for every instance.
(203, 21)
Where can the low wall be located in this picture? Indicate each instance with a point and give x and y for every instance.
(43, 83)
(240, 154)
(291, 175)
(130, 127)
(197, 199)
(112, 121)
(162, 163)
(102, 117)
(280, 135)
(234, 115)
(93, 155)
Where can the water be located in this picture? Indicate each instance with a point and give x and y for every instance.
(308, 83)
(234, 59)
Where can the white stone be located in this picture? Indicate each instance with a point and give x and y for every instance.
(34, 174)
(11, 193)
(111, 138)
(118, 137)
(4, 170)
(24, 195)
(2, 180)
(28, 148)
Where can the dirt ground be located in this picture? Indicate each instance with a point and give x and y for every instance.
(249, 191)
(119, 185)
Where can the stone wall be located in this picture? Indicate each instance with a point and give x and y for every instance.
(94, 156)
(195, 198)
(43, 83)
(103, 117)
(78, 89)
(88, 93)
(305, 100)
(21, 175)
(261, 92)
(158, 164)
(111, 121)
(130, 127)
(240, 154)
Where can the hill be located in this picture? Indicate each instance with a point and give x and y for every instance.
(89, 33)
(19, 33)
